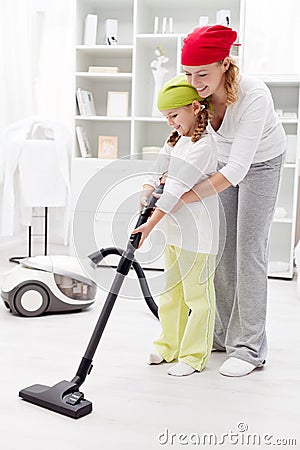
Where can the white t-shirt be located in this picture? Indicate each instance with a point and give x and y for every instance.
(194, 226)
(251, 131)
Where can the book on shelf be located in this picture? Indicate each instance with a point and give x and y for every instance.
(103, 69)
(83, 142)
(85, 103)
(79, 99)
(90, 29)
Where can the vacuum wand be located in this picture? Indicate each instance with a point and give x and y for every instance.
(121, 272)
(146, 213)
(65, 397)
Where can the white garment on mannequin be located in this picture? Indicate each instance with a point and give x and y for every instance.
(13, 143)
(38, 168)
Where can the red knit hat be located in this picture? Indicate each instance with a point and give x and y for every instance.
(207, 45)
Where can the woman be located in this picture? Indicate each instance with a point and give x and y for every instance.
(251, 144)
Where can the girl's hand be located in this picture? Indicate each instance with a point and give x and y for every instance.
(145, 194)
(145, 229)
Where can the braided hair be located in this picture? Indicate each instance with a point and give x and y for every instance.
(203, 116)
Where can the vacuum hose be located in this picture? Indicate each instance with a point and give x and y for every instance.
(103, 252)
(133, 243)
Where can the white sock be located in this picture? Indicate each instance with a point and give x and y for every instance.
(234, 367)
(181, 369)
(155, 358)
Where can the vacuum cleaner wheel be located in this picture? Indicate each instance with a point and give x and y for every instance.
(31, 300)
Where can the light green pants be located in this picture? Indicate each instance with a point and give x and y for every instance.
(187, 308)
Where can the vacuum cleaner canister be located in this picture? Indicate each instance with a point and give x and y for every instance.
(47, 284)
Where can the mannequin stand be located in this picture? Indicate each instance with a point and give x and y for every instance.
(16, 259)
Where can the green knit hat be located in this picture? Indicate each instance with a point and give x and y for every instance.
(176, 92)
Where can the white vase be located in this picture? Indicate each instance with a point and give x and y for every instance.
(158, 75)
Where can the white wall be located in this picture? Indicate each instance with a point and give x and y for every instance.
(272, 36)
(36, 78)
(37, 51)
(53, 59)
(16, 71)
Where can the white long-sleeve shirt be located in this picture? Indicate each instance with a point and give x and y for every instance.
(194, 226)
(50, 188)
(251, 131)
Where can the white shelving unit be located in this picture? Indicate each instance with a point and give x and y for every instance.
(133, 55)
(99, 84)
(286, 95)
(285, 91)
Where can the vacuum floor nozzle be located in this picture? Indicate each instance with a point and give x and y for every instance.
(63, 398)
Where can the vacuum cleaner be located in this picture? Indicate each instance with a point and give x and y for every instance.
(47, 284)
(58, 284)
(65, 397)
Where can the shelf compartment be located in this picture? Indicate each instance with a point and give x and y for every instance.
(96, 128)
(146, 136)
(184, 19)
(286, 193)
(122, 10)
(143, 77)
(100, 86)
(280, 257)
(286, 98)
(107, 55)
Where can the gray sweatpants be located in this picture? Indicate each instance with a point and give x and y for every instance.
(241, 274)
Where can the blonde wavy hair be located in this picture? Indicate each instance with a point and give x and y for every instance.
(232, 81)
(203, 116)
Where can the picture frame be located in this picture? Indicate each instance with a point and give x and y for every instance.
(117, 103)
(108, 147)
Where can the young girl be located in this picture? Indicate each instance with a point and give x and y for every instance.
(187, 305)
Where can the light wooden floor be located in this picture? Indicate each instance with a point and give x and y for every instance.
(137, 406)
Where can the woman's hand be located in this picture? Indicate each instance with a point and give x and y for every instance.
(145, 229)
(145, 194)
(177, 207)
